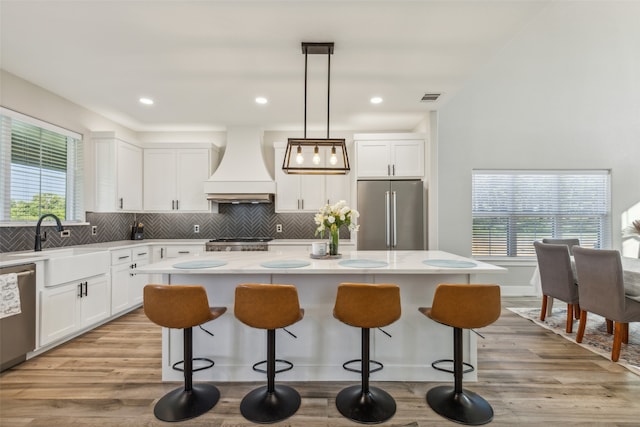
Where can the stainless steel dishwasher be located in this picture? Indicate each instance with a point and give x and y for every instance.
(18, 331)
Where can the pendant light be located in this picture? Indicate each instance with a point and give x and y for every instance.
(325, 156)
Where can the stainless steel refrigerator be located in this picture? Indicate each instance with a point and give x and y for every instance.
(391, 215)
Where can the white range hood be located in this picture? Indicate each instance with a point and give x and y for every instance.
(242, 176)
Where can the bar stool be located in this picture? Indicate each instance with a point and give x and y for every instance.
(268, 306)
(366, 306)
(462, 306)
(182, 307)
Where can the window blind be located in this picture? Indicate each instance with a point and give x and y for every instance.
(44, 173)
(512, 209)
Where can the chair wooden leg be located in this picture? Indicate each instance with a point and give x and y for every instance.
(569, 327)
(609, 326)
(576, 311)
(583, 324)
(617, 341)
(625, 334)
(543, 311)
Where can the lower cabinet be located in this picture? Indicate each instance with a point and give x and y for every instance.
(70, 307)
(127, 286)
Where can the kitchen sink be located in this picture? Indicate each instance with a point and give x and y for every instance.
(66, 265)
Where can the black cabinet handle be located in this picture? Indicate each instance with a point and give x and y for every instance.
(80, 290)
(121, 202)
(86, 289)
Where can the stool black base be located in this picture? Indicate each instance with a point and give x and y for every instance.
(263, 407)
(466, 407)
(180, 404)
(372, 407)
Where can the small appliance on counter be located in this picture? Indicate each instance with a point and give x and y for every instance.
(137, 231)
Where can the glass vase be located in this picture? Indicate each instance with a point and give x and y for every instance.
(334, 236)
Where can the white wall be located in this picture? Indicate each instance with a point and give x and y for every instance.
(565, 93)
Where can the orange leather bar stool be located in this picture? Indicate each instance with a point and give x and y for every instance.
(462, 306)
(270, 307)
(182, 307)
(366, 306)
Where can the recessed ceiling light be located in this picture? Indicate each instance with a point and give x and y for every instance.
(376, 100)
(261, 100)
(146, 101)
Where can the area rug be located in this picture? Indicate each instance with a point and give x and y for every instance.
(596, 338)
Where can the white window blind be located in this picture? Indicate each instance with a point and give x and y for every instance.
(42, 170)
(512, 209)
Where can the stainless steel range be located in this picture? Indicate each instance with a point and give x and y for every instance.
(238, 244)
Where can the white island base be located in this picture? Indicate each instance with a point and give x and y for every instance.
(323, 343)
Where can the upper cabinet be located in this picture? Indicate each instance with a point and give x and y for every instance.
(296, 193)
(307, 193)
(118, 174)
(390, 156)
(173, 179)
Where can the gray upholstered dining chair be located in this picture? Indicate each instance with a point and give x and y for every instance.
(556, 279)
(602, 292)
(569, 242)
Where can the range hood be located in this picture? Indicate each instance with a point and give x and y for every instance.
(242, 176)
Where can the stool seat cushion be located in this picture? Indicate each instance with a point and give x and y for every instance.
(465, 306)
(179, 306)
(267, 306)
(365, 305)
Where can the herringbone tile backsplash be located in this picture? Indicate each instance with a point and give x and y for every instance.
(245, 220)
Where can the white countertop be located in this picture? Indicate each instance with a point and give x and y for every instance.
(398, 262)
(22, 257)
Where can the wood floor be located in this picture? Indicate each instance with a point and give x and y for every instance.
(111, 377)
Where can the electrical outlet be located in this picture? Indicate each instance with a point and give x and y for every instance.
(278, 228)
(94, 230)
(196, 228)
(65, 233)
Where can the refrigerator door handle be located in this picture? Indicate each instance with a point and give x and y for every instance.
(387, 219)
(395, 219)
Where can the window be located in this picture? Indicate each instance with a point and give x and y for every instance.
(41, 170)
(512, 209)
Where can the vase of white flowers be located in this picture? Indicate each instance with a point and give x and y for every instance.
(330, 218)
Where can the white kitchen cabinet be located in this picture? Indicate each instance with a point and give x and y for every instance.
(70, 307)
(390, 158)
(118, 167)
(126, 285)
(175, 251)
(173, 179)
(141, 257)
(297, 193)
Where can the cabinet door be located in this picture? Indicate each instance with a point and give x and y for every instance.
(141, 257)
(95, 304)
(120, 282)
(59, 312)
(373, 159)
(129, 177)
(407, 158)
(287, 186)
(192, 170)
(311, 192)
(159, 179)
(338, 187)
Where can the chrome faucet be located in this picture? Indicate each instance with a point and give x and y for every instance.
(40, 239)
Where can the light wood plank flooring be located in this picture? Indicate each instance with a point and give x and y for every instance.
(111, 377)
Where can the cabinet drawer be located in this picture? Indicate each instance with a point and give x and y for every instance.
(142, 253)
(177, 251)
(120, 256)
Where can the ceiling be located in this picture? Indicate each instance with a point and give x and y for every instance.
(204, 62)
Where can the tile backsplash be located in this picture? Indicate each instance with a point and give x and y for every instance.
(244, 220)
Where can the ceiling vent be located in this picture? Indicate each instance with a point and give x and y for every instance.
(430, 97)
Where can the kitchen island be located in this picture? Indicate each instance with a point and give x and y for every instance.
(321, 343)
